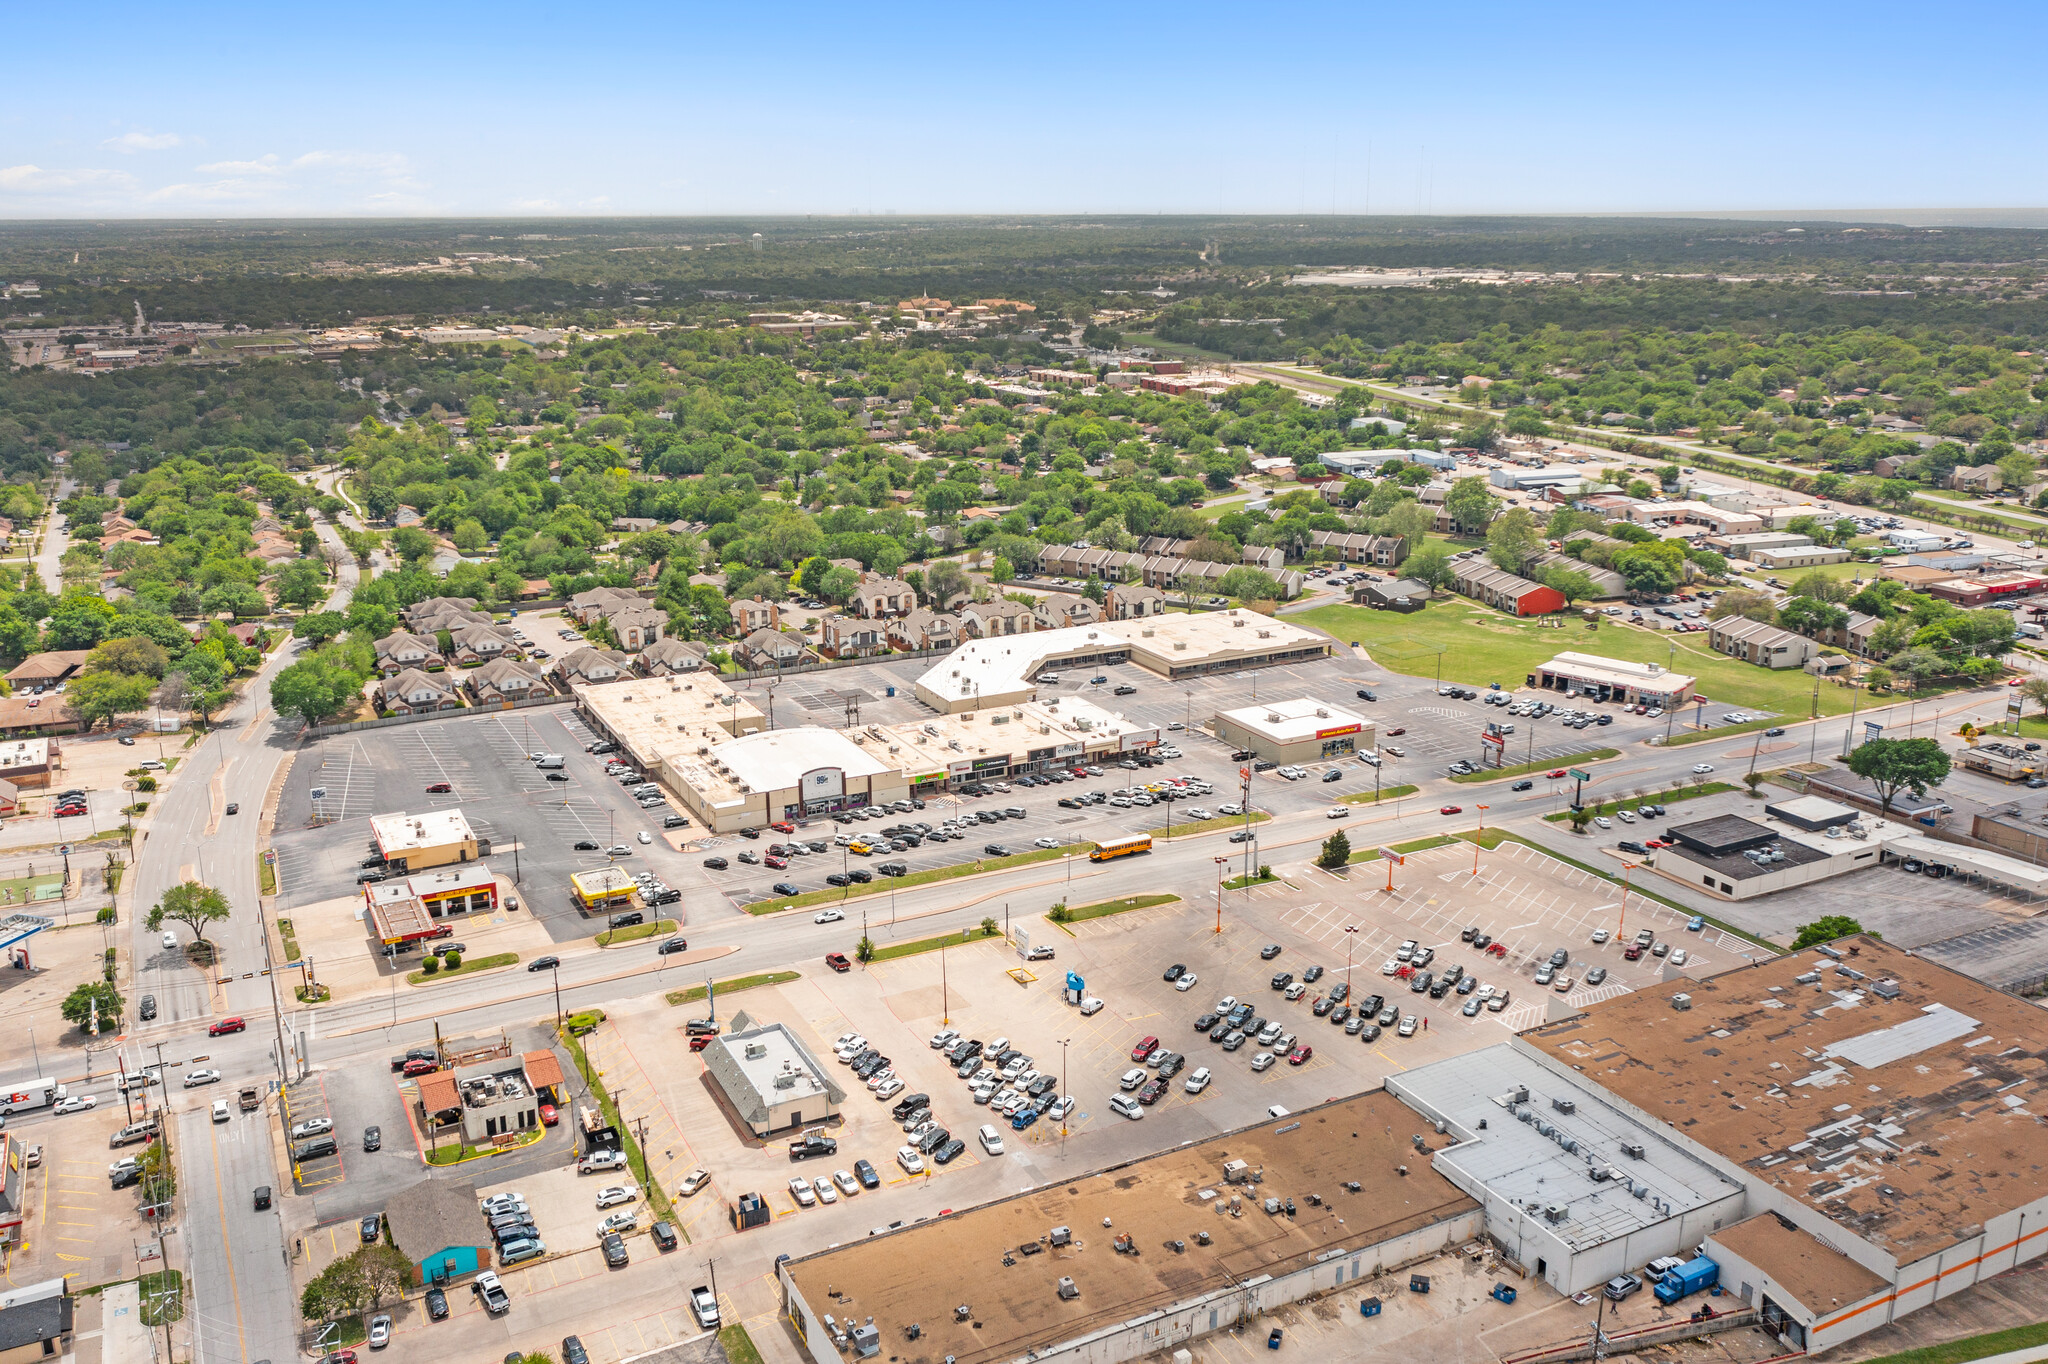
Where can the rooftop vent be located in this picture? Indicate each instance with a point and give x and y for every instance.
(1886, 989)
(1067, 1289)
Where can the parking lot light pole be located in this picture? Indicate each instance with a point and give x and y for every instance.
(1063, 1094)
(1482, 834)
(1221, 863)
(1350, 937)
(558, 997)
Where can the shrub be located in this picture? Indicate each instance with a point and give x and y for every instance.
(454, 960)
(430, 966)
(105, 916)
(1059, 913)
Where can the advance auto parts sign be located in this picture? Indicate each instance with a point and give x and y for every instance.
(1341, 729)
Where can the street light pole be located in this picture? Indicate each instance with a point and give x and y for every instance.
(557, 971)
(1221, 863)
(1477, 843)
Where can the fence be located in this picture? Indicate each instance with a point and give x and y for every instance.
(355, 726)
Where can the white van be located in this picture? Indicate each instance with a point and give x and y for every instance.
(549, 762)
(991, 1140)
(1126, 1105)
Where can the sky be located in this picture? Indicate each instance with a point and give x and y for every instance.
(234, 110)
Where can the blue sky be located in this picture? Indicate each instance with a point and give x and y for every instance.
(238, 110)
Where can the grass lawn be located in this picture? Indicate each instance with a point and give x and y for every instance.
(163, 1297)
(726, 987)
(1383, 794)
(1547, 765)
(29, 890)
(1676, 793)
(963, 938)
(454, 1153)
(266, 876)
(1481, 646)
(1240, 882)
(1203, 826)
(1109, 907)
(738, 1345)
(634, 932)
(832, 895)
(1172, 349)
(470, 966)
(1972, 1347)
(1418, 845)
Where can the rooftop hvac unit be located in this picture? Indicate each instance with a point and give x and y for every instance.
(1521, 1094)
(1599, 1174)
(1886, 989)
(1272, 719)
(1681, 1002)
(1632, 1149)
(1834, 831)
(1555, 1212)
(1067, 1289)
(1565, 1105)
(1322, 714)
(756, 1050)
(1809, 978)
(1828, 952)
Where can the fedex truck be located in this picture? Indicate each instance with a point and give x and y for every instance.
(33, 1094)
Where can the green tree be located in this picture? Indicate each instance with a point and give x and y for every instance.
(1431, 566)
(191, 903)
(92, 697)
(237, 598)
(1892, 764)
(944, 581)
(1471, 504)
(989, 927)
(2017, 470)
(412, 544)
(864, 950)
(1573, 584)
(313, 689)
(1514, 541)
(2035, 689)
(1248, 584)
(1827, 928)
(78, 1005)
(320, 627)
(132, 655)
(1741, 601)
(1336, 851)
(302, 583)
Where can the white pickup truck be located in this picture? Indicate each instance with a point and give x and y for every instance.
(488, 1287)
(705, 1306)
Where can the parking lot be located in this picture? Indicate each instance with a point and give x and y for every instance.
(533, 824)
(75, 1222)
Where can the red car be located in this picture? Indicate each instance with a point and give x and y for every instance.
(783, 827)
(701, 1041)
(1396, 732)
(548, 1116)
(440, 788)
(838, 962)
(775, 860)
(226, 1025)
(1146, 1046)
(1555, 773)
(1452, 810)
(421, 1067)
(1300, 1054)
(1632, 952)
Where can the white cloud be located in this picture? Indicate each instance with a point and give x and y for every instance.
(375, 163)
(263, 165)
(33, 179)
(144, 142)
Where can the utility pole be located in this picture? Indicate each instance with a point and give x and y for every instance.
(556, 971)
(640, 1133)
(1478, 842)
(1221, 863)
(711, 1266)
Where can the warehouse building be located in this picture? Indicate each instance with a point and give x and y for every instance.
(1575, 1190)
(1039, 1274)
(1302, 730)
(1798, 556)
(771, 1079)
(1884, 1112)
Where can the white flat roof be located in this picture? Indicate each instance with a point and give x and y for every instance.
(434, 829)
(1002, 666)
(2008, 871)
(1526, 1163)
(1287, 722)
(777, 759)
(1618, 671)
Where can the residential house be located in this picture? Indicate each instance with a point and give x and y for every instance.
(476, 644)
(879, 596)
(1384, 551)
(636, 627)
(402, 649)
(1606, 582)
(412, 692)
(754, 613)
(1505, 591)
(1134, 601)
(503, 679)
(633, 525)
(670, 655)
(850, 637)
(1059, 610)
(589, 664)
(599, 602)
(434, 606)
(1752, 641)
(924, 629)
(770, 649)
(988, 619)
(1976, 478)
(36, 1319)
(46, 669)
(449, 618)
